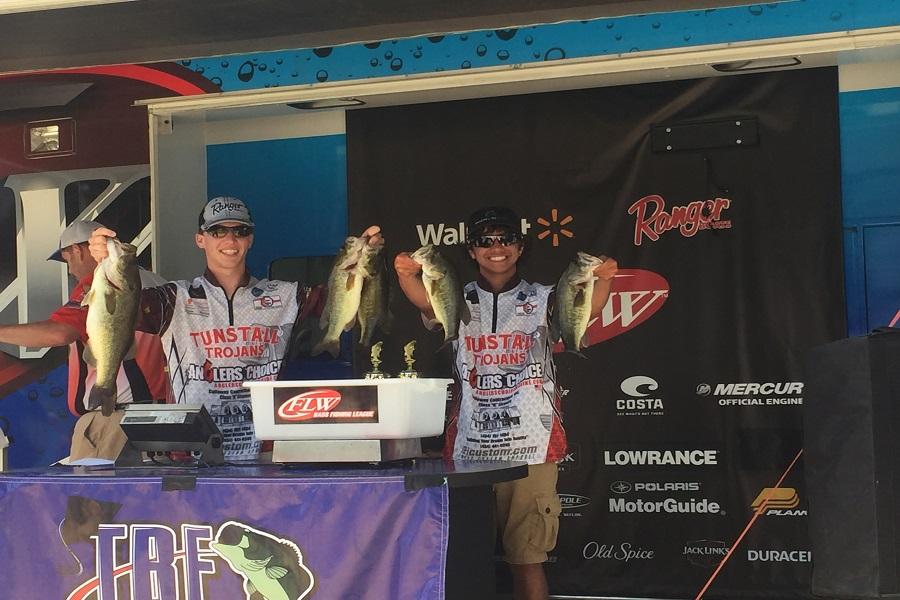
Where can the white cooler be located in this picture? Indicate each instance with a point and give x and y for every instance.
(348, 420)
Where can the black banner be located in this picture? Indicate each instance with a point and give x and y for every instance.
(720, 199)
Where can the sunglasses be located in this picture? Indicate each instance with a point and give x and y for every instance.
(505, 239)
(239, 231)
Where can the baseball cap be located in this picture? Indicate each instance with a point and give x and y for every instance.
(76, 233)
(224, 208)
(492, 217)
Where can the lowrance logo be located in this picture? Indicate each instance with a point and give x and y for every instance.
(660, 457)
(666, 505)
(305, 406)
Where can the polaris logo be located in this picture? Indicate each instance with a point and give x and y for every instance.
(309, 404)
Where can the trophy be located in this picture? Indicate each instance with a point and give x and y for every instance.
(409, 372)
(375, 357)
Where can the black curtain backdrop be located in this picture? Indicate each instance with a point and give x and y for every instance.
(733, 295)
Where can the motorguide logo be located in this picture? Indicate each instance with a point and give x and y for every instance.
(705, 553)
(753, 393)
(666, 505)
(778, 502)
(623, 458)
(652, 219)
(638, 388)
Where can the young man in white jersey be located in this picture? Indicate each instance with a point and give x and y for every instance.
(224, 327)
(506, 404)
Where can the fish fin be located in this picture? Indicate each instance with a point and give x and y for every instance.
(132, 352)
(323, 320)
(110, 303)
(576, 353)
(332, 347)
(88, 356)
(251, 589)
(88, 296)
(447, 343)
(276, 572)
(580, 297)
(103, 397)
(258, 565)
(555, 328)
(465, 316)
(350, 324)
(351, 281)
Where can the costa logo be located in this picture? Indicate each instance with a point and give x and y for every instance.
(309, 404)
(637, 295)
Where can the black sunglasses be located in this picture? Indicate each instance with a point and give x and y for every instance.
(239, 231)
(505, 239)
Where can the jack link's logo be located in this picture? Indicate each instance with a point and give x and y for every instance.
(159, 567)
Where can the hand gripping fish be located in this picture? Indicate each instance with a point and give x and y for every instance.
(344, 292)
(573, 302)
(113, 302)
(444, 290)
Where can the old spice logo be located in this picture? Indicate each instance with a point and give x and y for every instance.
(637, 295)
(652, 220)
(309, 404)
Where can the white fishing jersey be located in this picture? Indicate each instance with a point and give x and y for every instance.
(213, 345)
(506, 405)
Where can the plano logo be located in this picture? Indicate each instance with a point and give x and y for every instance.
(778, 502)
(305, 406)
(652, 220)
(637, 295)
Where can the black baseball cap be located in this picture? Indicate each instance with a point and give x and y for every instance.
(492, 217)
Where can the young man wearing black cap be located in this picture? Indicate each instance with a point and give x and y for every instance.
(506, 403)
(224, 327)
(140, 379)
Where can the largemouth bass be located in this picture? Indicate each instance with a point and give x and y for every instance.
(444, 290)
(573, 302)
(113, 302)
(373, 304)
(345, 283)
(272, 568)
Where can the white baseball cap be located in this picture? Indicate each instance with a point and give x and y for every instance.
(76, 233)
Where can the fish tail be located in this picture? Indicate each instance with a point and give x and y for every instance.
(104, 397)
(447, 342)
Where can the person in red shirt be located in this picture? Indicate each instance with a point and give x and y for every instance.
(141, 379)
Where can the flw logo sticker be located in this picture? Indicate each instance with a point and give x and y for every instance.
(636, 296)
(305, 406)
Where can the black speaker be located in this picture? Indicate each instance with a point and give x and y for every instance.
(851, 423)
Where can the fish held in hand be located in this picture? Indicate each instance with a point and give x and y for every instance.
(345, 283)
(444, 290)
(113, 302)
(574, 293)
(374, 301)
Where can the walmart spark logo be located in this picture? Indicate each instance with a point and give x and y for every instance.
(555, 227)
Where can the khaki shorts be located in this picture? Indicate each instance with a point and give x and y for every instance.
(96, 436)
(528, 515)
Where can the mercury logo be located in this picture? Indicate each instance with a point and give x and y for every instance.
(309, 404)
